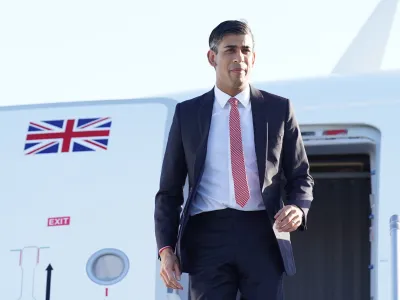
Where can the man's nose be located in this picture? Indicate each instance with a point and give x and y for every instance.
(239, 58)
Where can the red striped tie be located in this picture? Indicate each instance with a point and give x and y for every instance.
(242, 194)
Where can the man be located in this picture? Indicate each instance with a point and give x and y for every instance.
(234, 143)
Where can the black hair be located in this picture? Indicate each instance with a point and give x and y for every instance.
(228, 27)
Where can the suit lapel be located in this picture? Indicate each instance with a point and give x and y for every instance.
(203, 123)
(259, 112)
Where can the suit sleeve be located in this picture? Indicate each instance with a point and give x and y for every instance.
(299, 183)
(169, 198)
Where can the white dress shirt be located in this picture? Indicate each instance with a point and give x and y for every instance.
(216, 190)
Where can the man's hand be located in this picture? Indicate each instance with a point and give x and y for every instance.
(170, 270)
(288, 218)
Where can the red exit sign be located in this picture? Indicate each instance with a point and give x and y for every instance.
(59, 221)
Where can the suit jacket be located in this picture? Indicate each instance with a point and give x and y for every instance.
(279, 148)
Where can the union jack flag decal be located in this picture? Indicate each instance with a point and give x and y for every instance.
(72, 135)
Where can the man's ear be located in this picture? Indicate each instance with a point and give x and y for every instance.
(211, 58)
(254, 58)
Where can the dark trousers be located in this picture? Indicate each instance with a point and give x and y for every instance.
(230, 250)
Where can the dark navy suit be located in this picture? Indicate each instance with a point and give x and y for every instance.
(279, 150)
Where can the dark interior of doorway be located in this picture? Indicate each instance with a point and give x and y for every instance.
(333, 255)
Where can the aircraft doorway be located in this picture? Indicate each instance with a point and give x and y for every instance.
(333, 257)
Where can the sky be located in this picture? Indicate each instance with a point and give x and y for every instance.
(77, 50)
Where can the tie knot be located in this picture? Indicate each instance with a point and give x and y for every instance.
(233, 101)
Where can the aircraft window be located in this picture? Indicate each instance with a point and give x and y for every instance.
(107, 266)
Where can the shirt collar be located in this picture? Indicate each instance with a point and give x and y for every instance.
(222, 98)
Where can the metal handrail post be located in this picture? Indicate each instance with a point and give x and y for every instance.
(395, 265)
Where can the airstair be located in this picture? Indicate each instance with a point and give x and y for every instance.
(395, 263)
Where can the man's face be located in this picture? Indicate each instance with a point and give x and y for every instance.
(233, 62)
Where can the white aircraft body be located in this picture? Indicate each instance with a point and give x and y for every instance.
(79, 180)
